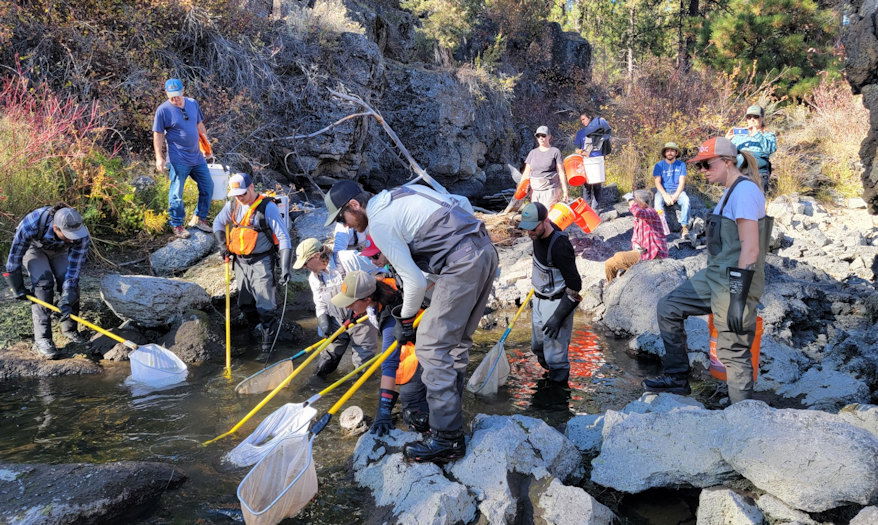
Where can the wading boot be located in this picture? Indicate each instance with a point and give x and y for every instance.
(74, 336)
(416, 420)
(46, 348)
(673, 383)
(266, 336)
(438, 447)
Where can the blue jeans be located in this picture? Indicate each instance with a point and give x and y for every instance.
(682, 201)
(178, 174)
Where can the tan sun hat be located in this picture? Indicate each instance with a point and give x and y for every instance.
(305, 250)
(670, 145)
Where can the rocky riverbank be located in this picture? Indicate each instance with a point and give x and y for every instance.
(754, 464)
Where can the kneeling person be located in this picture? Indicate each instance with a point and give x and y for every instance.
(250, 229)
(362, 294)
(557, 284)
(648, 240)
(327, 272)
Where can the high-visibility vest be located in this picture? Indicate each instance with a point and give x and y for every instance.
(242, 235)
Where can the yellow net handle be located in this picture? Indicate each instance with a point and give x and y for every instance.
(80, 320)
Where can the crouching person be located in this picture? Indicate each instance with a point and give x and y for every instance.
(648, 240)
(363, 294)
(51, 243)
(556, 283)
(250, 229)
(327, 272)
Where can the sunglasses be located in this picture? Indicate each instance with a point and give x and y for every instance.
(757, 117)
(541, 135)
(340, 217)
(375, 257)
(703, 165)
(185, 115)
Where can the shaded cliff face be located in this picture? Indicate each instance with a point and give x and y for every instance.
(458, 124)
(860, 37)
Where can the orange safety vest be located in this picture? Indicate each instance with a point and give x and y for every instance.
(241, 239)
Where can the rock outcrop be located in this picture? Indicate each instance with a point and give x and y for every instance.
(515, 468)
(860, 40)
(81, 492)
(180, 254)
(811, 460)
(151, 301)
(721, 506)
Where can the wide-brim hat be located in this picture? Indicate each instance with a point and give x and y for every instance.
(670, 145)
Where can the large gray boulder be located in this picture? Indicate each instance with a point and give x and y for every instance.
(558, 504)
(721, 506)
(867, 516)
(826, 389)
(151, 301)
(21, 360)
(37, 494)
(195, 339)
(811, 460)
(414, 493)
(180, 254)
(502, 447)
(631, 299)
(863, 416)
(210, 274)
(310, 224)
(776, 511)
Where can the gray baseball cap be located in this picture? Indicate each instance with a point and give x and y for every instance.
(531, 215)
(542, 130)
(69, 221)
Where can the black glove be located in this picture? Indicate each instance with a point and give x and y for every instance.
(220, 237)
(383, 421)
(69, 298)
(404, 331)
(15, 279)
(285, 266)
(739, 289)
(553, 325)
(323, 325)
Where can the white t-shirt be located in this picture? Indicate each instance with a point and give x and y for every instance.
(746, 202)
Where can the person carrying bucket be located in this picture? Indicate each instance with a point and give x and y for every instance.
(250, 229)
(51, 243)
(556, 283)
(544, 171)
(363, 294)
(179, 121)
(731, 285)
(419, 229)
(648, 240)
(593, 142)
(670, 183)
(327, 271)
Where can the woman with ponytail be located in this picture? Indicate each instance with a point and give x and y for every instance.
(731, 285)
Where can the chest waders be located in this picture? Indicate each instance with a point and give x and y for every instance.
(546, 278)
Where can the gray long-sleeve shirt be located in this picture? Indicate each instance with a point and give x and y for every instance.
(263, 242)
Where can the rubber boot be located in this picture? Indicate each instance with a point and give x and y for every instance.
(673, 383)
(416, 420)
(266, 337)
(71, 332)
(46, 348)
(438, 447)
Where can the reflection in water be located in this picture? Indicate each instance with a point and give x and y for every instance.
(99, 419)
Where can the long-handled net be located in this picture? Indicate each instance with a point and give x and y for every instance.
(494, 369)
(285, 480)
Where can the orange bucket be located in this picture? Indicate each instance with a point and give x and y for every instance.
(562, 215)
(574, 168)
(521, 189)
(584, 217)
(717, 369)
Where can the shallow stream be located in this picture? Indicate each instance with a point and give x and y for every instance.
(100, 419)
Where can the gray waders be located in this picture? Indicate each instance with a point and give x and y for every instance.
(256, 292)
(47, 269)
(454, 245)
(549, 286)
(708, 292)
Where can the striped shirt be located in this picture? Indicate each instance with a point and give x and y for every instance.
(27, 233)
(648, 233)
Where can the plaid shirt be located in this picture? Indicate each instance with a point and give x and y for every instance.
(27, 233)
(648, 233)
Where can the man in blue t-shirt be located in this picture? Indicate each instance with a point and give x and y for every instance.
(179, 121)
(670, 181)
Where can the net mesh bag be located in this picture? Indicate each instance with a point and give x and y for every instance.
(280, 484)
(156, 366)
(292, 418)
(266, 379)
(491, 373)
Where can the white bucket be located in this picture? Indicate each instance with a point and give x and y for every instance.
(594, 169)
(219, 174)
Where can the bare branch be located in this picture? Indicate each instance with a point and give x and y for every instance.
(327, 128)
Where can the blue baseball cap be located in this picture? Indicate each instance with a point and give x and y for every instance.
(174, 87)
(238, 184)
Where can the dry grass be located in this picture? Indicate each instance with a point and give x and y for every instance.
(501, 228)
